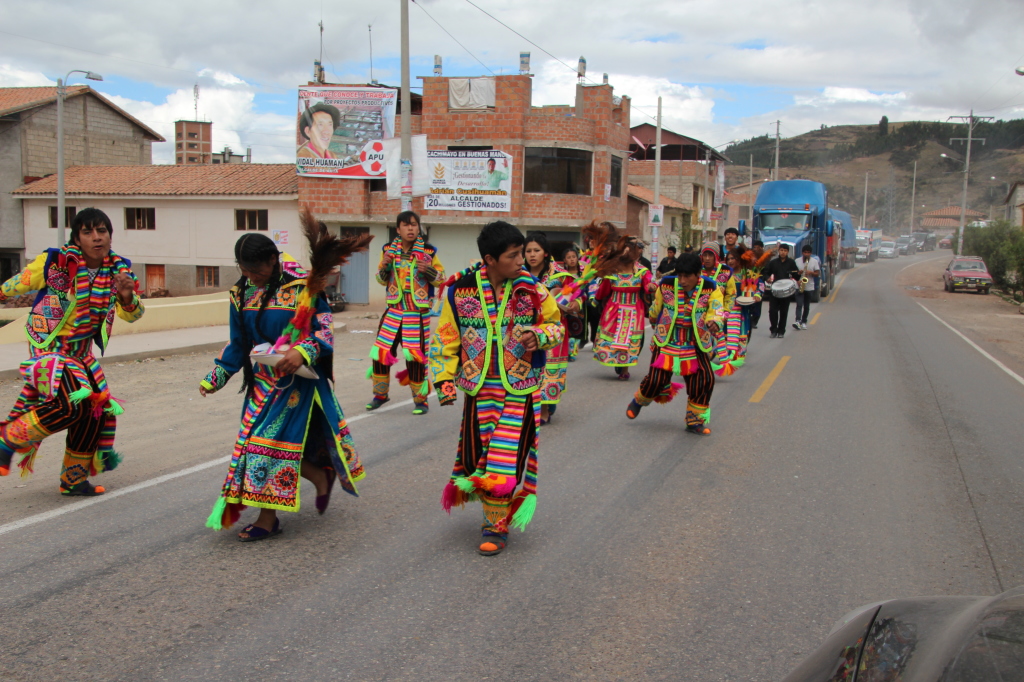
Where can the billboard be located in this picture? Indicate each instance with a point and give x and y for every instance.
(469, 181)
(339, 131)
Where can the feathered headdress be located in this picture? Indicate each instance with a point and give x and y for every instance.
(612, 250)
(326, 252)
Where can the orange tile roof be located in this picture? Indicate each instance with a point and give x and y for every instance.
(13, 100)
(953, 211)
(647, 196)
(164, 180)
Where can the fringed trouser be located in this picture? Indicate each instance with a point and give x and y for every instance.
(699, 386)
(415, 376)
(55, 415)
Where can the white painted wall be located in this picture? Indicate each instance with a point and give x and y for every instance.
(189, 230)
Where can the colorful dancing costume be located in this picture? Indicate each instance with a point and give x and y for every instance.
(284, 420)
(683, 344)
(64, 384)
(405, 324)
(739, 322)
(556, 368)
(725, 346)
(621, 334)
(477, 348)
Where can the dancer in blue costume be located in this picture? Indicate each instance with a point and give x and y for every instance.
(291, 425)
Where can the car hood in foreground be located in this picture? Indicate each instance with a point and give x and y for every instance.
(933, 639)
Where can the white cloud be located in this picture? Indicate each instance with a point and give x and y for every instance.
(833, 95)
(13, 77)
(236, 122)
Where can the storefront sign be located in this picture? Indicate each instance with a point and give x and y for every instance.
(469, 181)
(339, 131)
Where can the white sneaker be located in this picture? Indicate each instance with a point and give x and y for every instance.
(803, 325)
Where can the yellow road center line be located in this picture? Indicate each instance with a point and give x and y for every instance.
(815, 318)
(832, 298)
(767, 383)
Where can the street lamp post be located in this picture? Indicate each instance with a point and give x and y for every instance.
(61, 92)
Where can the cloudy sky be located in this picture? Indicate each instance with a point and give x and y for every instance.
(725, 70)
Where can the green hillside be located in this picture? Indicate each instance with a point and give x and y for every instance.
(839, 156)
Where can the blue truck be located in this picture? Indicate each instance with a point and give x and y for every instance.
(796, 212)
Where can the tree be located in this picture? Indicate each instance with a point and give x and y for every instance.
(883, 126)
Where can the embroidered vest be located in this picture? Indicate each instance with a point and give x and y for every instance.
(70, 297)
(675, 300)
(520, 369)
(414, 282)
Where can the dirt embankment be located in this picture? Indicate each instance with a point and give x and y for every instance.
(985, 319)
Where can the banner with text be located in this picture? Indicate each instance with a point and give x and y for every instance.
(339, 131)
(469, 181)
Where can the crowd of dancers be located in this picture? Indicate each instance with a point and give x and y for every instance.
(508, 327)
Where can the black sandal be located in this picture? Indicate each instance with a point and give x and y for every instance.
(82, 489)
(497, 544)
(256, 533)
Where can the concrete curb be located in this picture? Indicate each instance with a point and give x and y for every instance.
(214, 347)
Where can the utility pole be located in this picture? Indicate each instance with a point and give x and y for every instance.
(913, 198)
(657, 184)
(406, 129)
(750, 204)
(864, 211)
(706, 210)
(971, 120)
(775, 176)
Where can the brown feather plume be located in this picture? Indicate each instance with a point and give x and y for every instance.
(327, 251)
(613, 251)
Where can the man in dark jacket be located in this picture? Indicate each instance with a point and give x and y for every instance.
(668, 263)
(777, 270)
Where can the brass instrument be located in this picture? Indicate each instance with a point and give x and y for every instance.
(804, 279)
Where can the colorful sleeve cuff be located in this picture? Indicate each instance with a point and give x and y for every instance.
(310, 351)
(216, 379)
(446, 393)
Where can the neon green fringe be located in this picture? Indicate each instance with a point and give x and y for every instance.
(464, 484)
(424, 387)
(369, 372)
(110, 460)
(525, 512)
(375, 353)
(217, 515)
(80, 395)
(115, 408)
(407, 354)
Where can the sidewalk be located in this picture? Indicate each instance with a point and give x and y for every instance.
(130, 347)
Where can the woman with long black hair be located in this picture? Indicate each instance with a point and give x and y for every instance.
(556, 367)
(292, 424)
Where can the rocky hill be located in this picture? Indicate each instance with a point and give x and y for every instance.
(839, 156)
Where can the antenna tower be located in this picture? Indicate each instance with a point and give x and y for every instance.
(195, 101)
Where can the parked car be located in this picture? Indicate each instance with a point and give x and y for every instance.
(967, 273)
(945, 243)
(906, 245)
(888, 250)
(952, 639)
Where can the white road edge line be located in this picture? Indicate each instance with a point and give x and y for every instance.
(1018, 378)
(220, 461)
(920, 262)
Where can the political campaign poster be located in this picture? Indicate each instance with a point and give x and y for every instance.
(339, 131)
(656, 215)
(469, 181)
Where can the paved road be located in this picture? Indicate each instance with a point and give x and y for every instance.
(884, 461)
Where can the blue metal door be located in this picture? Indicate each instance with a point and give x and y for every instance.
(356, 273)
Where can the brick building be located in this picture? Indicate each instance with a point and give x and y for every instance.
(193, 142)
(96, 131)
(562, 159)
(674, 232)
(177, 224)
(687, 171)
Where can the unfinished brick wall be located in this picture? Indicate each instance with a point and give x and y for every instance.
(94, 134)
(598, 122)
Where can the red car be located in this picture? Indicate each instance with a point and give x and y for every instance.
(967, 273)
(945, 243)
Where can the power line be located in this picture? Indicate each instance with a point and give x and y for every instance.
(453, 37)
(573, 69)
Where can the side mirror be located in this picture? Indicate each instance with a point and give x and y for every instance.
(742, 228)
(830, 228)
